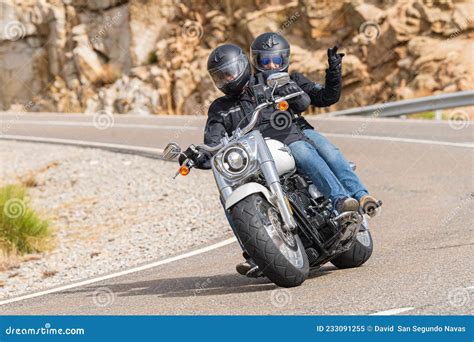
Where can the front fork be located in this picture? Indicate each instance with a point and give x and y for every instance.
(270, 173)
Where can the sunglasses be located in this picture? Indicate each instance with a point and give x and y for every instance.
(275, 59)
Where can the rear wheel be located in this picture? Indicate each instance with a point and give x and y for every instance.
(358, 254)
(279, 254)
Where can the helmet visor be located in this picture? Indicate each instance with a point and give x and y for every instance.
(229, 72)
(271, 60)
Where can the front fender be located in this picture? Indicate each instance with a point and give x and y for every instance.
(245, 190)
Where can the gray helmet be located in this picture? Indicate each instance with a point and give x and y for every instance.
(270, 51)
(229, 68)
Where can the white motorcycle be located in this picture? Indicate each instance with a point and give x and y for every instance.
(280, 218)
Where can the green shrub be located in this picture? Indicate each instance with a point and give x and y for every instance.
(21, 229)
(430, 115)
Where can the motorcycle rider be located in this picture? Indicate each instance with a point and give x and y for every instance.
(270, 52)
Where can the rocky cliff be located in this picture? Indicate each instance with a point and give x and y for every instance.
(149, 56)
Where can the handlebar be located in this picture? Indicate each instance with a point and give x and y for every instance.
(253, 121)
(209, 148)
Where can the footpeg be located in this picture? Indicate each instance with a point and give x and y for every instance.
(254, 273)
(249, 269)
(372, 208)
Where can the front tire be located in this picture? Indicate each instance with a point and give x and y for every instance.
(280, 256)
(358, 254)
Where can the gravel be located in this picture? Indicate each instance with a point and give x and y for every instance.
(108, 211)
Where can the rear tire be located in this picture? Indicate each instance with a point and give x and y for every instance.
(358, 254)
(252, 217)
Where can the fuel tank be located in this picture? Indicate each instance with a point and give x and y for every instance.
(284, 161)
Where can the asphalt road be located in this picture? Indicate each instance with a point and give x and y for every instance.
(424, 242)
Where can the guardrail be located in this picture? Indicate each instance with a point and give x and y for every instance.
(423, 104)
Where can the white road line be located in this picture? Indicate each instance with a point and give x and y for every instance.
(121, 273)
(130, 148)
(392, 312)
(405, 140)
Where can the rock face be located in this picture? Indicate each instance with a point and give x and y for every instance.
(150, 56)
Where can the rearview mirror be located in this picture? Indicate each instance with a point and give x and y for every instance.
(171, 151)
(278, 79)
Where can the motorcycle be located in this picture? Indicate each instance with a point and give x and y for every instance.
(278, 215)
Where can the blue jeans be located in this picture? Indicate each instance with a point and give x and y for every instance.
(310, 163)
(338, 164)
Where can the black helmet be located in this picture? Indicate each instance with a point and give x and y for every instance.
(229, 68)
(270, 51)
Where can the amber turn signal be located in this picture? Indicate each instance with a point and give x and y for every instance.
(283, 105)
(184, 170)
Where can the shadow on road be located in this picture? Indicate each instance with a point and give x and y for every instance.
(221, 284)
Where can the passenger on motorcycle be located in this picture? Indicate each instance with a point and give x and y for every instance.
(270, 52)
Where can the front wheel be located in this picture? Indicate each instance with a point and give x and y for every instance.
(279, 255)
(358, 254)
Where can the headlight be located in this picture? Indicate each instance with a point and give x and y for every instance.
(235, 160)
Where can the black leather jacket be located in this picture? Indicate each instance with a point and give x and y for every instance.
(227, 112)
(320, 96)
